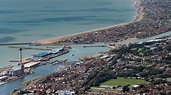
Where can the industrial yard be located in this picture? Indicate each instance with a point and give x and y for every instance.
(25, 66)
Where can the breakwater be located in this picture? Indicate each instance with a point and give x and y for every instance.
(3, 44)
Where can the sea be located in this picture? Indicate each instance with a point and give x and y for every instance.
(32, 20)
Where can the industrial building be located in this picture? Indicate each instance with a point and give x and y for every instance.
(65, 92)
(3, 78)
(16, 70)
(54, 51)
(31, 64)
(42, 54)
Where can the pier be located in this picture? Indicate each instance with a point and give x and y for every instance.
(13, 60)
(96, 46)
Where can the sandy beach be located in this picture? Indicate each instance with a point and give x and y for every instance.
(57, 39)
(140, 13)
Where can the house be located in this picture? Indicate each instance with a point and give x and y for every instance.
(106, 86)
(65, 92)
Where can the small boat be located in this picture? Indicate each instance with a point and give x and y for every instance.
(13, 61)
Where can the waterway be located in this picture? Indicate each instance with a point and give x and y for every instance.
(145, 39)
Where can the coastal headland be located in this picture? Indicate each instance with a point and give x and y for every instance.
(152, 18)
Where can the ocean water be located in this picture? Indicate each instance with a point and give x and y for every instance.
(31, 20)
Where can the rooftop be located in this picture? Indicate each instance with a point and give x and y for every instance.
(16, 67)
(30, 64)
(42, 54)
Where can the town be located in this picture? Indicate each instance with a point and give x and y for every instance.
(148, 61)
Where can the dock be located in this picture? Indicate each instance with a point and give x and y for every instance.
(95, 46)
(58, 62)
(13, 60)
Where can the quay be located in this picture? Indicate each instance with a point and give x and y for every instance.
(58, 62)
(96, 46)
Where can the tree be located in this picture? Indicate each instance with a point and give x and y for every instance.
(125, 88)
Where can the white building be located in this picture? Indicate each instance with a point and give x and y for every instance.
(65, 92)
(15, 71)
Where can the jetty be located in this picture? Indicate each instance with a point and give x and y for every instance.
(95, 46)
(3, 44)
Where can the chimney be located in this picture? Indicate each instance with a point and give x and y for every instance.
(20, 60)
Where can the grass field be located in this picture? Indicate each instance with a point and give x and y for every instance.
(123, 81)
(97, 89)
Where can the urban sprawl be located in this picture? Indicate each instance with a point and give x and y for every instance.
(146, 62)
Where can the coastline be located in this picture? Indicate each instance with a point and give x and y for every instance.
(140, 13)
(56, 39)
(138, 17)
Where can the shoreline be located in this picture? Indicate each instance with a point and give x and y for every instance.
(56, 39)
(140, 13)
(139, 16)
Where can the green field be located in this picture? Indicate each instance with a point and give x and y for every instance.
(97, 89)
(123, 81)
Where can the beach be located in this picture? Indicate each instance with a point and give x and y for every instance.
(139, 17)
(140, 13)
(147, 23)
(57, 39)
